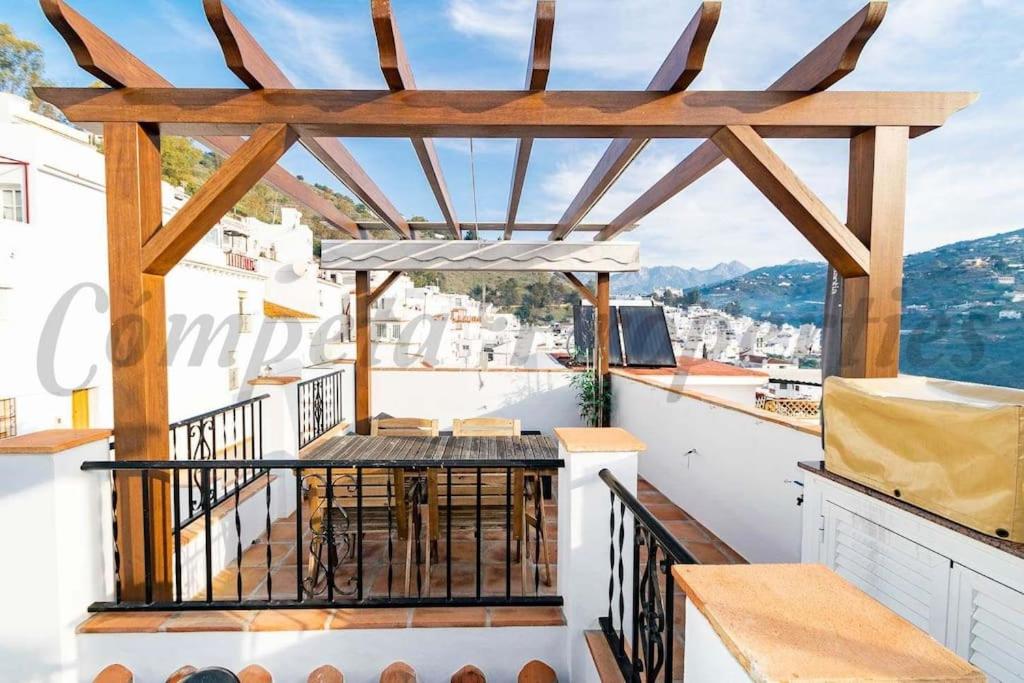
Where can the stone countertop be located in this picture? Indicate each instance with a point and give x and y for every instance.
(818, 467)
(790, 622)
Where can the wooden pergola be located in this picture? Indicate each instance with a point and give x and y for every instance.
(254, 126)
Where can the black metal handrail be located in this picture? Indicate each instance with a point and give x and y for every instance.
(232, 432)
(350, 541)
(651, 628)
(319, 406)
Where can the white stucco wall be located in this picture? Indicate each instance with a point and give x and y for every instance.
(541, 400)
(735, 480)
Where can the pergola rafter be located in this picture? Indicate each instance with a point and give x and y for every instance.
(866, 250)
(398, 73)
(107, 60)
(683, 64)
(536, 79)
(833, 58)
(256, 69)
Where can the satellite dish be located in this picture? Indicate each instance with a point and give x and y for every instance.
(300, 268)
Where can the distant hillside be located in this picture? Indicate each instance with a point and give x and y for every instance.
(647, 280)
(959, 306)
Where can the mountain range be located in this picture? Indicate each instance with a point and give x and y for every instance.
(647, 280)
(963, 306)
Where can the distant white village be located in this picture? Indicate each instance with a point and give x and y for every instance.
(250, 295)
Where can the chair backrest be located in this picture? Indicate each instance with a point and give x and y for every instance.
(403, 426)
(486, 426)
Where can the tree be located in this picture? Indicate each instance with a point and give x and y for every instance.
(21, 68)
(178, 161)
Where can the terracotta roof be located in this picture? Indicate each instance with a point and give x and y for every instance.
(700, 367)
(277, 311)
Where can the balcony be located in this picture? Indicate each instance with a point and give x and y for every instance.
(248, 563)
(240, 261)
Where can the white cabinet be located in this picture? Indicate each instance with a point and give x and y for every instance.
(906, 577)
(967, 594)
(986, 625)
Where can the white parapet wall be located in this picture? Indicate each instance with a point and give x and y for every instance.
(542, 399)
(55, 522)
(731, 469)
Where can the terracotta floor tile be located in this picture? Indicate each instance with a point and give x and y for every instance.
(686, 531)
(448, 617)
(290, 620)
(208, 621)
(668, 513)
(730, 554)
(225, 585)
(384, 617)
(256, 554)
(706, 553)
(527, 616)
(124, 622)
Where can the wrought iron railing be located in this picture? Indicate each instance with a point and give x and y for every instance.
(319, 406)
(650, 627)
(362, 535)
(234, 432)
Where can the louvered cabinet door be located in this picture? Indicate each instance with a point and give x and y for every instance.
(986, 625)
(906, 577)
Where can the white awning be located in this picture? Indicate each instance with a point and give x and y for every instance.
(508, 255)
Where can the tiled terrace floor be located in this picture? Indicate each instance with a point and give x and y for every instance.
(280, 582)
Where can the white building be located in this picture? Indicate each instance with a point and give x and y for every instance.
(245, 300)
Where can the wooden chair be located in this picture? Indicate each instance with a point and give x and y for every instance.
(494, 491)
(405, 426)
(382, 490)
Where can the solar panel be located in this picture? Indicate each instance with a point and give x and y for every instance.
(645, 337)
(584, 330)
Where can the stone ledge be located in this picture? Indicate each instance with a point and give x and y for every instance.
(277, 380)
(804, 622)
(321, 619)
(50, 441)
(598, 440)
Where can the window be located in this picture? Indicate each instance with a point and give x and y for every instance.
(380, 330)
(11, 207)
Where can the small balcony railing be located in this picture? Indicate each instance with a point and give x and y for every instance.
(362, 535)
(241, 261)
(319, 406)
(651, 620)
(234, 432)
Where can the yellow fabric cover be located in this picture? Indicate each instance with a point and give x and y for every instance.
(952, 448)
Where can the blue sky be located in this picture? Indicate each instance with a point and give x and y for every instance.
(965, 180)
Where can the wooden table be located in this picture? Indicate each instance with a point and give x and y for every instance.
(532, 451)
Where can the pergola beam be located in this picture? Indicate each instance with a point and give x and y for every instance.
(831, 60)
(777, 181)
(581, 288)
(215, 197)
(379, 291)
(107, 60)
(254, 67)
(503, 113)
(398, 73)
(536, 79)
(683, 63)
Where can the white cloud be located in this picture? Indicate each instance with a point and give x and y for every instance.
(506, 20)
(310, 47)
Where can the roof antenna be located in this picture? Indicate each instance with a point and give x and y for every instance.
(472, 177)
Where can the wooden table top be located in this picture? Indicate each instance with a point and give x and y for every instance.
(434, 451)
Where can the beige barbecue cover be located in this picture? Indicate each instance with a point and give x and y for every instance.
(952, 448)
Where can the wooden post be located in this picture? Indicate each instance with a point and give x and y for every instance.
(138, 352)
(876, 207)
(363, 352)
(603, 340)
